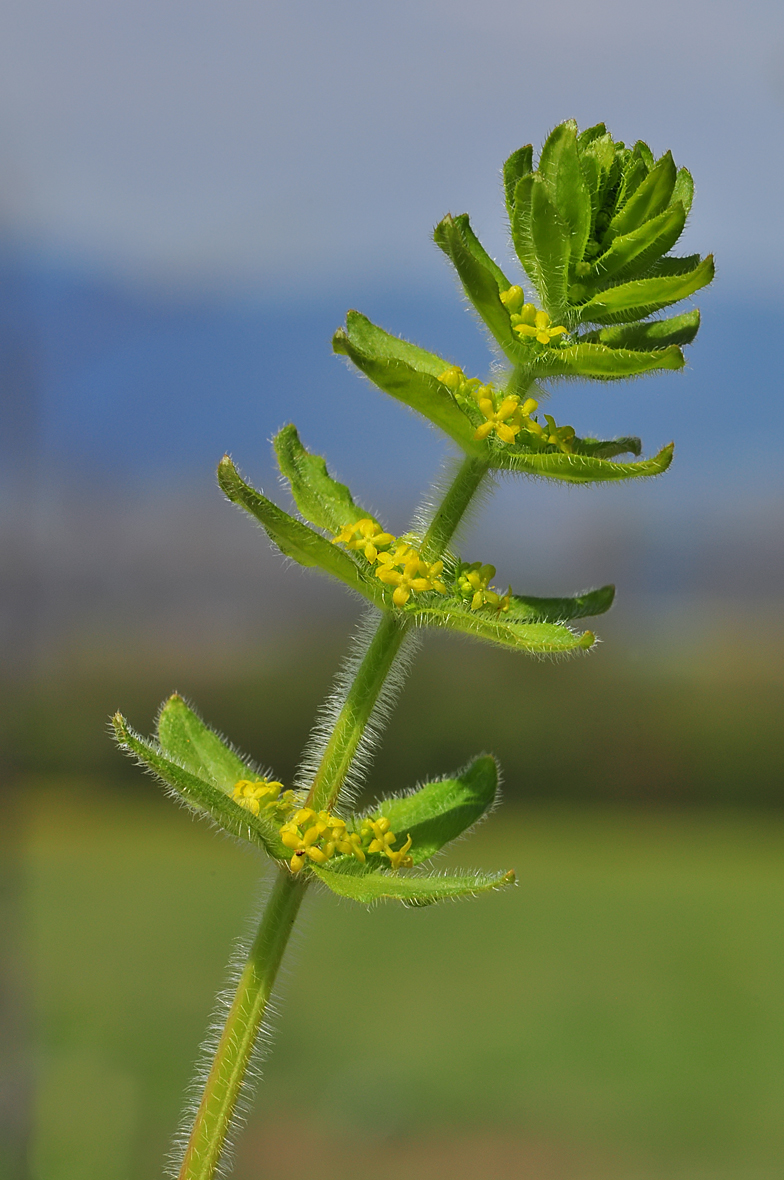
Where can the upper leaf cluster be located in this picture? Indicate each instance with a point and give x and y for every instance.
(592, 227)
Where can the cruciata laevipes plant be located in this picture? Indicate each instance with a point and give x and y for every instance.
(592, 226)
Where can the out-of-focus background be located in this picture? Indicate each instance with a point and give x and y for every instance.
(192, 194)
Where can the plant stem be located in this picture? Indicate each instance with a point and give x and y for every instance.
(453, 507)
(356, 709)
(239, 1036)
(240, 1032)
(385, 645)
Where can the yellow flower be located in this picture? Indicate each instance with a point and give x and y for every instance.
(473, 581)
(405, 569)
(319, 835)
(382, 839)
(530, 322)
(499, 420)
(455, 380)
(255, 795)
(366, 535)
(513, 299)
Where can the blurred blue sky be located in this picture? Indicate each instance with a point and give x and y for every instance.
(193, 194)
(292, 144)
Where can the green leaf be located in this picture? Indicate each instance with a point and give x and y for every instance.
(675, 266)
(643, 297)
(201, 795)
(590, 134)
(542, 240)
(677, 330)
(476, 248)
(605, 363)
(632, 176)
(320, 498)
(580, 468)
(441, 811)
(607, 448)
(293, 538)
(683, 190)
(642, 150)
(519, 164)
(372, 351)
(633, 253)
(453, 614)
(412, 889)
(560, 610)
(479, 280)
(559, 165)
(185, 739)
(649, 199)
(376, 344)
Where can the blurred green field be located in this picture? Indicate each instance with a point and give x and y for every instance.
(618, 1015)
(695, 718)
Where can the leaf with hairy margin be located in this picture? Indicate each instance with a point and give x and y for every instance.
(295, 539)
(655, 334)
(321, 499)
(642, 297)
(492, 626)
(373, 352)
(440, 811)
(200, 794)
(595, 359)
(576, 468)
(479, 279)
(412, 889)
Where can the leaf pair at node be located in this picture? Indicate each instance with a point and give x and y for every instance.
(426, 383)
(214, 781)
(592, 227)
(379, 566)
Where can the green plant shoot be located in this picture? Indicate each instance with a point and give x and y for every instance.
(593, 227)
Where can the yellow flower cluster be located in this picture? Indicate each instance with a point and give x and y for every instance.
(262, 795)
(365, 535)
(399, 564)
(508, 416)
(473, 581)
(319, 835)
(527, 320)
(406, 570)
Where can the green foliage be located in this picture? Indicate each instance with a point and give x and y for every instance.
(320, 498)
(407, 373)
(293, 538)
(413, 890)
(586, 468)
(592, 227)
(502, 628)
(440, 811)
(199, 790)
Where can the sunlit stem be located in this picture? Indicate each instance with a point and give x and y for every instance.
(384, 647)
(238, 1039)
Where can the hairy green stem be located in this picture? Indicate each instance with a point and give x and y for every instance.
(356, 709)
(238, 1038)
(453, 507)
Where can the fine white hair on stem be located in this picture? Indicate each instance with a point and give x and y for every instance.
(435, 495)
(329, 712)
(209, 1046)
